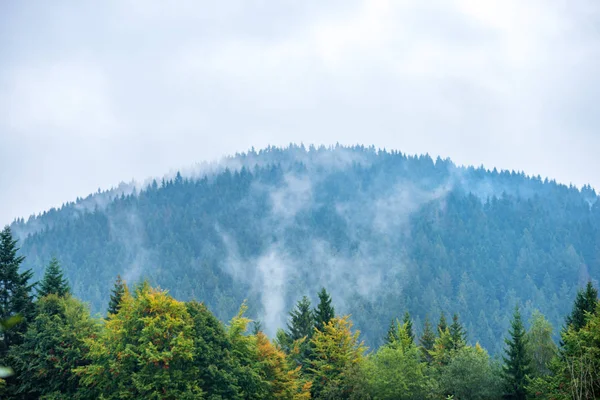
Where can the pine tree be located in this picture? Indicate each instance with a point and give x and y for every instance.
(457, 333)
(409, 327)
(584, 302)
(54, 281)
(324, 311)
(116, 296)
(301, 321)
(15, 290)
(392, 333)
(442, 325)
(517, 362)
(427, 340)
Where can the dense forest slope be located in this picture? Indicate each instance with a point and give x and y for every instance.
(384, 232)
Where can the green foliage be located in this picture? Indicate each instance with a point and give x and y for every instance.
(540, 346)
(585, 303)
(517, 363)
(15, 291)
(324, 311)
(55, 343)
(54, 282)
(457, 334)
(145, 351)
(470, 374)
(116, 295)
(407, 321)
(337, 350)
(395, 372)
(427, 341)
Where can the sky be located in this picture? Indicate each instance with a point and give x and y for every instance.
(96, 93)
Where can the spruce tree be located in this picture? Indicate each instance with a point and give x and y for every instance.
(324, 311)
(442, 325)
(409, 327)
(116, 295)
(427, 340)
(584, 302)
(392, 333)
(15, 290)
(457, 333)
(54, 282)
(301, 322)
(517, 363)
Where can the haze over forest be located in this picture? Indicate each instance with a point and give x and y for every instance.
(384, 232)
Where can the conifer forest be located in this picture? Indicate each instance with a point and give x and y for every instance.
(307, 273)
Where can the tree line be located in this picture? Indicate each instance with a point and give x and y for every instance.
(153, 346)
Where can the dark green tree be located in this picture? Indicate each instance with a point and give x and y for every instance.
(392, 333)
(324, 311)
(517, 363)
(427, 340)
(54, 282)
(585, 302)
(15, 290)
(54, 344)
(442, 324)
(302, 322)
(407, 321)
(457, 333)
(116, 295)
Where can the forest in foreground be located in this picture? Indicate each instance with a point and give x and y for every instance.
(153, 346)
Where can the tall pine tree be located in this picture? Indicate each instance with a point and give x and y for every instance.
(15, 290)
(301, 322)
(116, 295)
(409, 326)
(517, 363)
(324, 311)
(427, 340)
(584, 302)
(457, 333)
(392, 333)
(54, 282)
(442, 325)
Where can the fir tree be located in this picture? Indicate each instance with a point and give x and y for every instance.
(517, 363)
(301, 321)
(392, 333)
(457, 333)
(116, 296)
(584, 302)
(409, 327)
(427, 340)
(324, 311)
(15, 290)
(54, 281)
(442, 325)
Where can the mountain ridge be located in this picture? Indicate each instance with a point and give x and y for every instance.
(384, 232)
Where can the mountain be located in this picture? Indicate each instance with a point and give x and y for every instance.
(384, 232)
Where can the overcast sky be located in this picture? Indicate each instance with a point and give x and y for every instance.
(93, 93)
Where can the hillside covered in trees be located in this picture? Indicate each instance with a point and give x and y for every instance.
(384, 232)
(152, 346)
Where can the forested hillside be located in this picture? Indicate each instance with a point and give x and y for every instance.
(384, 232)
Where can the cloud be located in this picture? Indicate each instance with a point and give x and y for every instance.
(105, 92)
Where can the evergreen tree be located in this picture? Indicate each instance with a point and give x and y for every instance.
(392, 333)
(540, 346)
(427, 340)
(457, 333)
(15, 290)
(584, 302)
(116, 295)
(53, 281)
(517, 364)
(324, 311)
(442, 324)
(301, 322)
(409, 327)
